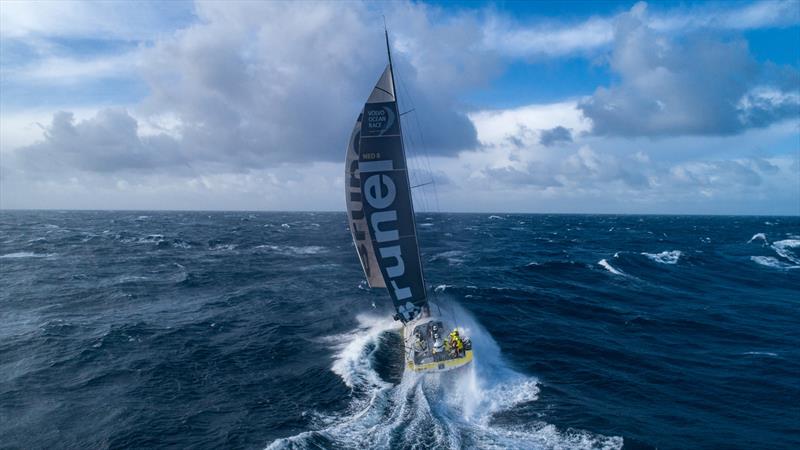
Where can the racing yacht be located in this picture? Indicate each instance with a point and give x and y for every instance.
(380, 214)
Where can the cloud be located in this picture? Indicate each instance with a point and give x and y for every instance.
(555, 136)
(108, 142)
(553, 39)
(248, 93)
(693, 85)
(249, 105)
(88, 19)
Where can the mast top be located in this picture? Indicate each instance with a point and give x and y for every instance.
(389, 53)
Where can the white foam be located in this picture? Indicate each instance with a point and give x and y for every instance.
(666, 257)
(27, 255)
(774, 355)
(292, 250)
(450, 410)
(758, 236)
(181, 244)
(453, 257)
(782, 249)
(442, 287)
(604, 264)
(223, 247)
(772, 262)
(493, 217)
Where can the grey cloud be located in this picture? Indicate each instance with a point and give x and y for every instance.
(289, 88)
(695, 85)
(555, 136)
(109, 142)
(248, 93)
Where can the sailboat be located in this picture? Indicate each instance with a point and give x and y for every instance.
(381, 219)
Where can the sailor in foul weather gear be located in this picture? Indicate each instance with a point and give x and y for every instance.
(420, 343)
(456, 345)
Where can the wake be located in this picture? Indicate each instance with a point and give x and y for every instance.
(452, 410)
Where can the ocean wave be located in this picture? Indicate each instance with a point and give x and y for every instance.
(604, 264)
(770, 354)
(292, 250)
(757, 237)
(772, 262)
(666, 257)
(180, 243)
(782, 249)
(450, 410)
(222, 247)
(27, 255)
(493, 217)
(442, 287)
(453, 257)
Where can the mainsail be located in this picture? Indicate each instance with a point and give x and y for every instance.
(379, 205)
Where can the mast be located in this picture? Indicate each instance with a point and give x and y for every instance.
(379, 203)
(403, 150)
(389, 53)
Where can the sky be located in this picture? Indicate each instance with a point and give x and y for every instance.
(538, 107)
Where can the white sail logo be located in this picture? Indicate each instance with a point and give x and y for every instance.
(380, 192)
(380, 120)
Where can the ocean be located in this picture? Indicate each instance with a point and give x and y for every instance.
(256, 330)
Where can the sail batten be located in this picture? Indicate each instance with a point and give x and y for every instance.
(380, 208)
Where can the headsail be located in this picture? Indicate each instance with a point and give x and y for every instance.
(355, 212)
(385, 218)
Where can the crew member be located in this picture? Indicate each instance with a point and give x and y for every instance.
(456, 345)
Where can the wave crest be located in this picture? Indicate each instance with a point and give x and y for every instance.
(666, 257)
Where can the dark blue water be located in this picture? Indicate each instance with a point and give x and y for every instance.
(248, 330)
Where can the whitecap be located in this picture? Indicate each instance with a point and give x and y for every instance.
(432, 410)
(285, 225)
(442, 287)
(774, 355)
(181, 244)
(453, 257)
(151, 239)
(292, 250)
(769, 261)
(666, 257)
(226, 247)
(493, 217)
(782, 249)
(27, 255)
(758, 236)
(604, 264)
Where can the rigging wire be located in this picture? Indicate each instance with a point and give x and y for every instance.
(421, 162)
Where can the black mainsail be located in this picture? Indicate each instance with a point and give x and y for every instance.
(379, 204)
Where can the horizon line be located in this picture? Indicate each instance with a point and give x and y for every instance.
(797, 215)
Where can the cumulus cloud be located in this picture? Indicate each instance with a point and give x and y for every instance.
(254, 85)
(108, 142)
(693, 85)
(249, 105)
(278, 90)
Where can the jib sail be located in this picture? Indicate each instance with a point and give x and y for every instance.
(355, 212)
(381, 213)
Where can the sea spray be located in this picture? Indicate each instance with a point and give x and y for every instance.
(452, 409)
